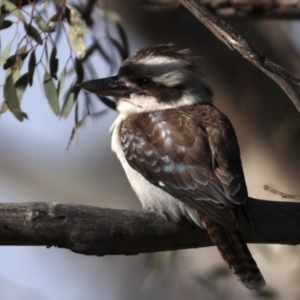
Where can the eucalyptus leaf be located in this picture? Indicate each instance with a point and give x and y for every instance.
(53, 63)
(5, 24)
(123, 37)
(21, 85)
(74, 135)
(108, 102)
(79, 70)
(68, 14)
(43, 26)
(20, 115)
(33, 32)
(16, 74)
(14, 10)
(61, 80)
(50, 92)
(77, 29)
(56, 17)
(2, 17)
(68, 104)
(77, 41)
(11, 98)
(31, 67)
(75, 130)
(5, 54)
(10, 62)
(10, 94)
(21, 50)
(3, 108)
(22, 54)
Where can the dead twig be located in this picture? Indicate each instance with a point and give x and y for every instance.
(283, 195)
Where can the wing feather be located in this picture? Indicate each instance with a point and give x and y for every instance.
(194, 152)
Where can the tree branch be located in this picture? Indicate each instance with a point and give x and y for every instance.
(279, 9)
(266, 9)
(101, 231)
(230, 37)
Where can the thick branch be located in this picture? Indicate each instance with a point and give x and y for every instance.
(254, 9)
(275, 9)
(100, 231)
(235, 41)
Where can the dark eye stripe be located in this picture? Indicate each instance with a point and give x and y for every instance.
(143, 81)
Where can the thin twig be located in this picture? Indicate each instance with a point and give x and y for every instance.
(283, 195)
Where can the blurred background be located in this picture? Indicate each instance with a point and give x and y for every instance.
(35, 166)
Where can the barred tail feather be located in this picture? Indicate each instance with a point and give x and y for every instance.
(235, 252)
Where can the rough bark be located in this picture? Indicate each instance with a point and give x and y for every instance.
(101, 231)
(283, 9)
(260, 9)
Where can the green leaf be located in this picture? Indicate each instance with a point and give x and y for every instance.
(10, 62)
(123, 37)
(74, 135)
(2, 17)
(53, 63)
(20, 115)
(10, 94)
(16, 61)
(77, 42)
(16, 74)
(56, 17)
(67, 12)
(14, 10)
(3, 108)
(31, 67)
(79, 70)
(5, 54)
(50, 92)
(77, 29)
(5, 24)
(46, 51)
(68, 104)
(32, 31)
(22, 53)
(75, 130)
(11, 99)
(108, 102)
(42, 25)
(21, 85)
(61, 80)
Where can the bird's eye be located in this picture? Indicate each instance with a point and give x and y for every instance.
(143, 81)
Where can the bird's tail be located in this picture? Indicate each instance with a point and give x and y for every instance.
(235, 252)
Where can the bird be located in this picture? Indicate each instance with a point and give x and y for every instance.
(179, 152)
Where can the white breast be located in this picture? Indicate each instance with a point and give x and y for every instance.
(151, 197)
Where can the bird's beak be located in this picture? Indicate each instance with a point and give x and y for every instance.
(110, 86)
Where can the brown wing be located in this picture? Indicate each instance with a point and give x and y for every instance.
(180, 152)
(225, 153)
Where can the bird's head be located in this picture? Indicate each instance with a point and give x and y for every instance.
(154, 78)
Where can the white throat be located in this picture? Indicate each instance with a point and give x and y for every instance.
(139, 104)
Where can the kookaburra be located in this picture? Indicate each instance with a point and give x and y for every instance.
(179, 152)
